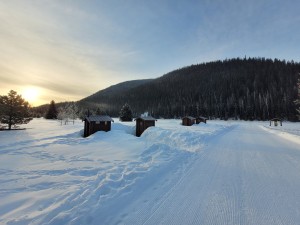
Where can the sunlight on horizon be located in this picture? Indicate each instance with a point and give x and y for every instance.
(32, 95)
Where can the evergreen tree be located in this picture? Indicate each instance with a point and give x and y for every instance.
(99, 112)
(14, 109)
(297, 102)
(52, 111)
(126, 113)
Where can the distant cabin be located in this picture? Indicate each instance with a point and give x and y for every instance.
(188, 121)
(142, 123)
(200, 119)
(275, 121)
(96, 123)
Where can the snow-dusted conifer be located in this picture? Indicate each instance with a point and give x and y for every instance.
(126, 113)
(52, 111)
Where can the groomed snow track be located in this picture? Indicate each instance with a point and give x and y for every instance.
(245, 175)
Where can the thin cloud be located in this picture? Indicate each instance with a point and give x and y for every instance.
(72, 48)
(44, 54)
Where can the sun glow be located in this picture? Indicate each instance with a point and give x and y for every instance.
(31, 95)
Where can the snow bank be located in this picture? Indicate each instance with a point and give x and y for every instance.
(289, 131)
(181, 137)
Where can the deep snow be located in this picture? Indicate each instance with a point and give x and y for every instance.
(214, 173)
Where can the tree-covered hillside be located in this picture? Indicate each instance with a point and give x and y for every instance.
(115, 90)
(253, 88)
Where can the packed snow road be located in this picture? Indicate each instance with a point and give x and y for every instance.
(245, 175)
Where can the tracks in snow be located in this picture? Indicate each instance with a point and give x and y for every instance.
(245, 176)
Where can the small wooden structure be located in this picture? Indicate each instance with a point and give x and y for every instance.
(275, 121)
(96, 123)
(188, 121)
(200, 119)
(142, 123)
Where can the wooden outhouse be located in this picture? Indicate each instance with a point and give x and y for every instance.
(142, 123)
(200, 119)
(96, 123)
(276, 121)
(188, 121)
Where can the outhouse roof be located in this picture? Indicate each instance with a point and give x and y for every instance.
(99, 118)
(202, 117)
(146, 118)
(189, 117)
(275, 119)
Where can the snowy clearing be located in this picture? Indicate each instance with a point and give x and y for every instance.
(215, 173)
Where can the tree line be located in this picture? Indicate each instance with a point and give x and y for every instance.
(247, 89)
(15, 110)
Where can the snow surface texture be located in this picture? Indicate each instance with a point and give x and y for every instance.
(214, 173)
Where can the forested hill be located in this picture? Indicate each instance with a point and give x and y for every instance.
(115, 90)
(253, 88)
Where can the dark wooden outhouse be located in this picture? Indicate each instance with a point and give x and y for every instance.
(142, 123)
(188, 121)
(200, 119)
(275, 121)
(93, 124)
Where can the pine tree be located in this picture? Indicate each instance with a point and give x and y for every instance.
(126, 113)
(52, 111)
(14, 109)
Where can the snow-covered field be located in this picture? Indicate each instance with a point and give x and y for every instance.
(215, 173)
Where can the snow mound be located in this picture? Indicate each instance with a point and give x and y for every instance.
(190, 139)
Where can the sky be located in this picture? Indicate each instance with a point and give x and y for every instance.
(65, 50)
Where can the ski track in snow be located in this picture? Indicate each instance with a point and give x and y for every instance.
(256, 182)
(215, 173)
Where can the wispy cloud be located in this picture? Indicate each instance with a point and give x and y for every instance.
(71, 49)
(38, 50)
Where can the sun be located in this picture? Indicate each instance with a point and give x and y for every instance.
(31, 94)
